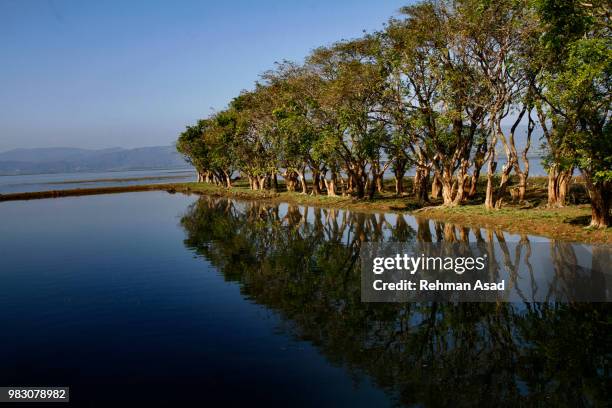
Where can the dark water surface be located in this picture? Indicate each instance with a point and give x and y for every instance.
(171, 298)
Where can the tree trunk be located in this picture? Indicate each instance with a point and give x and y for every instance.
(495, 196)
(377, 176)
(290, 184)
(447, 187)
(228, 179)
(600, 193)
(564, 183)
(398, 172)
(553, 200)
(343, 187)
(316, 182)
(503, 186)
(436, 187)
(489, 204)
(462, 189)
(303, 182)
(523, 175)
(475, 177)
(421, 185)
(263, 182)
(274, 181)
(379, 183)
(558, 186)
(322, 184)
(474, 183)
(399, 183)
(462, 179)
(371, 185)
(522, 187)
(600, 210)
(290, 180)
(447, 197)
(358, 184)
(330, 185)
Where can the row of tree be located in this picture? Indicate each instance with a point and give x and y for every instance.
(432, 91)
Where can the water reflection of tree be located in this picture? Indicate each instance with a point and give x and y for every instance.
(301, 264)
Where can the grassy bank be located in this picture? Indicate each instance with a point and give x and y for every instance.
(531, 217)
(567, 224)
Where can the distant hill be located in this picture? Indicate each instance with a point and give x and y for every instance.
(72, 160)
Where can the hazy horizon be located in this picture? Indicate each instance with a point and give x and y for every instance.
(84, 148)
(132, 74)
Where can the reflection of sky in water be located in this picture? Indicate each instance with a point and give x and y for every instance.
(151, 291)
(65, 181)
(100, 293)
(535, 268)
(483, 354)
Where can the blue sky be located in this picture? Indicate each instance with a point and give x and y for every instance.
(99, 74)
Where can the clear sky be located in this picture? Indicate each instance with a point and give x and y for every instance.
(98, 74)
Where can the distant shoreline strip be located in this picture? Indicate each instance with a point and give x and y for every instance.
(37, 195)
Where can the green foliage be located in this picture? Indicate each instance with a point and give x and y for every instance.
(192, 145)
(433, 90)
(577, 82)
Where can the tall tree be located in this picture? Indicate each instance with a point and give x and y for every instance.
(578, 87)
(353, 85)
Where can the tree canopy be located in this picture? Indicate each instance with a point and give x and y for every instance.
(431, 90)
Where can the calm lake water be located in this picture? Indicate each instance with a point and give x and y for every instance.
(68, 181)
(172, 298)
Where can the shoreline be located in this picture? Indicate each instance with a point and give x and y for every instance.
(76, 192)
(55, 173)
(565, 224)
